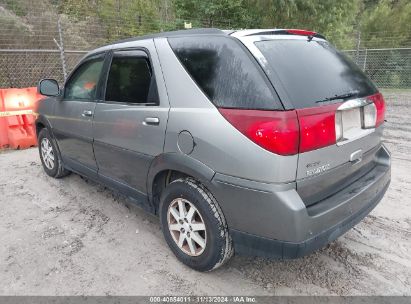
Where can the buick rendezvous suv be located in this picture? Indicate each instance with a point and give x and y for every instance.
(258, 142)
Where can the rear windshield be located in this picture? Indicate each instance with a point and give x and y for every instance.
(225, 72)
(312, 71)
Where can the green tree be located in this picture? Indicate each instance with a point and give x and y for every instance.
(330, 17)
(125, 18)
(119, 18)
(76, 8)
(334, 19)
(220, 13)
(387, 24)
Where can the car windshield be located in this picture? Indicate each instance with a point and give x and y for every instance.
(313, 71)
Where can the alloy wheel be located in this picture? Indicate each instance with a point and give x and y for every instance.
(187, 227)
(47, 153)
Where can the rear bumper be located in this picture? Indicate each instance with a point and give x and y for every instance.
(273, 221)
(248, 244)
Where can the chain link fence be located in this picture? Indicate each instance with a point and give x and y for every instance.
(24, 68)
(48, 44)
(38, 44)
(387, 67)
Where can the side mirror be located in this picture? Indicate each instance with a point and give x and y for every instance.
(48, 87)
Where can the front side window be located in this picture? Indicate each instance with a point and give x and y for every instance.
(83, 84)
(130, 79)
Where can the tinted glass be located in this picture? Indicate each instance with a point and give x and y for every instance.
(312, 71)
(225, 72)
(129, 80)
(83, 84)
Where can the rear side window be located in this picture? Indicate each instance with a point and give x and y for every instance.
(225, 72)
(312, 71)
(130, 79)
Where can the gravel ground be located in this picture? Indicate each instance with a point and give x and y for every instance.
(73, 237)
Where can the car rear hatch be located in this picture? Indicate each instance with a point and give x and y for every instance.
(339, 110)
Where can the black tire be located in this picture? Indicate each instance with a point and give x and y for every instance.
(218, 248)
(57, 170)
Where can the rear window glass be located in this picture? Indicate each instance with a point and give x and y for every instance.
(225, 72)
(313, 70)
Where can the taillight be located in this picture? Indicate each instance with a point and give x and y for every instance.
(275, 131)
(301, 130)
(317, 127)
(369, 116)
(379, 102)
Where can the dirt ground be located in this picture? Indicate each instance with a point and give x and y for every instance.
(73, 237)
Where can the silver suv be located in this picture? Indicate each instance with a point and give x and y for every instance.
(259, 142)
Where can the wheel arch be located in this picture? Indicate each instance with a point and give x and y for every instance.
(40, 123)
(178, 164)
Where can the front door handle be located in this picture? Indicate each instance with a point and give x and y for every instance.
(87, 113)
(151, 121)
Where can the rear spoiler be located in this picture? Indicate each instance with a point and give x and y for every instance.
(287, 32)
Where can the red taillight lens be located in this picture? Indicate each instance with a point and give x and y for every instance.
(275, 131)
(296, 131)
(317, 127)
(379, 102)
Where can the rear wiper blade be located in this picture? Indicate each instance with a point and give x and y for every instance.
(341, 96)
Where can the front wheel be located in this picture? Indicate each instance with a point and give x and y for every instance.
(49, 155)
(194, 225)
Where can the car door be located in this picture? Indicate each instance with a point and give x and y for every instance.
(73, 115)
(130, 121)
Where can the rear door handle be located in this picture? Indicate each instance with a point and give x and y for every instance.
(154, 121)
(87, 113)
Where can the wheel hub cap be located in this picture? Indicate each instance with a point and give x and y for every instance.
(187, 227)
(47, 153)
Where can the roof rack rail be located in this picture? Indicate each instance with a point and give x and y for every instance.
(188, 32)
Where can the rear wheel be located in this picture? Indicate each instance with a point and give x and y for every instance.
(49, 155)
(194, 225)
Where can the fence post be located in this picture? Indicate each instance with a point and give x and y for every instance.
(365, 60)
(357, 55)
(60, 46)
